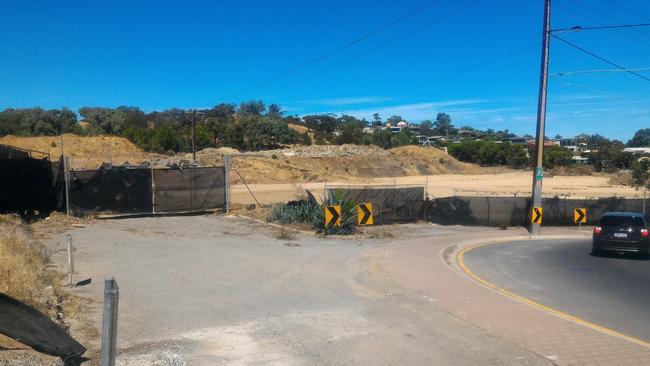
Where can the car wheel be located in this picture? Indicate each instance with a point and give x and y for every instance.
(596, 252)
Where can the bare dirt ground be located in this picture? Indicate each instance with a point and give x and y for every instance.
(84, 152)
(446, 185)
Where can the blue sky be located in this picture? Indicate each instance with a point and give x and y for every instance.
(476, 60)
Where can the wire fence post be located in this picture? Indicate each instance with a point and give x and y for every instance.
(109, 322)
(68, 245)
(226, 167)
(66, 179)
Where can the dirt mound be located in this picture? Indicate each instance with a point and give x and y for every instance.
(346, 163)
(86, 152)
(322, 151)
(294, 164)
(418, 160)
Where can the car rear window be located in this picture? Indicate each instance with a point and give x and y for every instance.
(622, 221)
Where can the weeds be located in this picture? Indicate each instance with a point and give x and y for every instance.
(24, 272)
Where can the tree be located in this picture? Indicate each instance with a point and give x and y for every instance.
(404, 137)
(641, 177)
(641, 138)
(557, 156)
(222, 112)
(165, 139)
(443, 124)
(253, 107)
(376, 120)
(426, 128)
(394, 120)
(352, 133)
(382, 137)
(274, 111)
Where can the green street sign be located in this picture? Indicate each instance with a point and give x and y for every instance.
(539, 173)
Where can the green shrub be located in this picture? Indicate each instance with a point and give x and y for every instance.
(293, 212)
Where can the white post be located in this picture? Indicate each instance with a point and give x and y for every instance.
(68, 244)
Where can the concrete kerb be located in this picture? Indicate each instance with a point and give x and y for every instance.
(461, 269)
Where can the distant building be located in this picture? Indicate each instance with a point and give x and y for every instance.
(401, 125)
(531, 143)
(516, 140)
(571, 144)
(638, 150)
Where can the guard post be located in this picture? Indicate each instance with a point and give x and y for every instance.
(109, 322)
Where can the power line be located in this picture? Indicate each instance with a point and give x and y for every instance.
(600, 58)
(567, 73)
(627, 10)
(580, 28)
(381, 45)
(590, 18)
(479, 65)
(349, 44)
(596, 11)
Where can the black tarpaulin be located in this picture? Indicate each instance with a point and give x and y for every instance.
(189, 189)
(28, 326)
(115, 190)
(26, 184)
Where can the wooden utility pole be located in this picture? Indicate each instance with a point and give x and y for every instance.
(538, 172)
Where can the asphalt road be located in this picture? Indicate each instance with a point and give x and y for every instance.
(611, 291)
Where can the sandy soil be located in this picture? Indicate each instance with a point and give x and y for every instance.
(445, 185)
(84, 152)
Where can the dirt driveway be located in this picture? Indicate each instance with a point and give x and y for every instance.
(208, 290)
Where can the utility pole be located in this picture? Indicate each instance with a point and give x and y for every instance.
(538, 172)
(193, 135)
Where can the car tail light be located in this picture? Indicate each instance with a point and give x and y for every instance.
(644, 233)
(598, 230)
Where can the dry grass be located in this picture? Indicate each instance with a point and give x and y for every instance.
(572, 170)
(24, 269)
(623, 178)
(84, 151)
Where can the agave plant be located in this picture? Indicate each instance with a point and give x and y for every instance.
(293, 212)
(348, 214)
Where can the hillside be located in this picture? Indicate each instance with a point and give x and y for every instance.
(296, 164)
(85, 152)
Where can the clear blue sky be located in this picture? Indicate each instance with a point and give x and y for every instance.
(479, 64)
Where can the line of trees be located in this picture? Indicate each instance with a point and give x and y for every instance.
(253, 125)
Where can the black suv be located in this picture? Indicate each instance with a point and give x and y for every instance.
(621, 232)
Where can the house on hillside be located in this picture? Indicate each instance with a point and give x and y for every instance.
(516, 140)
(637, 150)
(571, 144)
(401, 125)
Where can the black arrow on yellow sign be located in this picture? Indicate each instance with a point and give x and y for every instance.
(580, 215)
(364, 213)
(536, 217)
(333, 216)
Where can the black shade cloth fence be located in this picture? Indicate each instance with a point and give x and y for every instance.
(389, 204)
(515, 211)
(144, 190)
(26, 184)
(191, 189)
(110, 190)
